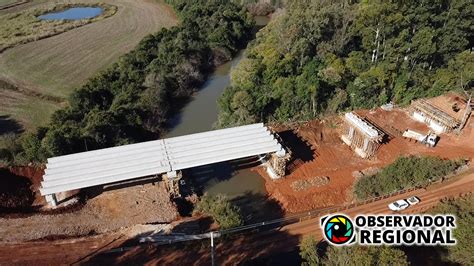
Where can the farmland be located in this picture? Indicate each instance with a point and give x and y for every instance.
(46, 71)
(23, 27)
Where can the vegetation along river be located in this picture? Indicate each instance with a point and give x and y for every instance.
(232, 179)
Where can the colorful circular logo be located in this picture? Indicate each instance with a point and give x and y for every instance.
(338, 229)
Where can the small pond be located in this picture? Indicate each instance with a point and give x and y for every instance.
(74, 13)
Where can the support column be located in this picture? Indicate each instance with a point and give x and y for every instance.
(172, 183)
(51, 199)
(276, 167)
(366, 144)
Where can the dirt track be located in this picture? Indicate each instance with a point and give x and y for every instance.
(229, 252)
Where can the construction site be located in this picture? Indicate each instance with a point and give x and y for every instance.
(342, 148)
(307, 165)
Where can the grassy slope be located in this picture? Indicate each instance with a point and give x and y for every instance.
(56, 65)
(23, 27)
(6, 2)
(28, 110)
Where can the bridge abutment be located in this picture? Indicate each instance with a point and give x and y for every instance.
(172, 182)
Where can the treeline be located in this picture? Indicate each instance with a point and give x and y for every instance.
(461, 253)
(405, 172)
(226, 214)
(313, 254)
(132, 100)
(324, 56)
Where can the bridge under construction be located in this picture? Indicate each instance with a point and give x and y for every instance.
(166, 157)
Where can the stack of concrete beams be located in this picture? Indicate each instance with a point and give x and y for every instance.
(99, 167)
(92, 168)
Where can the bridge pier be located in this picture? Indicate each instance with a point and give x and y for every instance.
(172, 182)
(51, 199)
(276, 166)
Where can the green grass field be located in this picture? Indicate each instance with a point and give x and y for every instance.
(55, 66)
(25, 26)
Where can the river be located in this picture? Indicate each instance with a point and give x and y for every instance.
(200, 114)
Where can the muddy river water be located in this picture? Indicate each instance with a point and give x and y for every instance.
(232, 179)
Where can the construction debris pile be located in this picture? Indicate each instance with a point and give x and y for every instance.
(300, 185)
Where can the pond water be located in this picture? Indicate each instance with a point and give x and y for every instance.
(233, 179)
(74, 13)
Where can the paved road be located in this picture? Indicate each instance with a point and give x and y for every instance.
(228, 251)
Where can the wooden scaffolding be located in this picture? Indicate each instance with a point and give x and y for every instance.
(363, 137)
(171, 180)
(278, 163)
(425, 112)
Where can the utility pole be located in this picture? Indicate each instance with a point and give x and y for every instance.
(467, 113)
(212, 249)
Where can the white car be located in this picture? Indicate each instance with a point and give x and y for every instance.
(398, 205)
(413, 200)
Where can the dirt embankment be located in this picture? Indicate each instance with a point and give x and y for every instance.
(23, 216)
(18, 189)
(319, 153)
(106, 212)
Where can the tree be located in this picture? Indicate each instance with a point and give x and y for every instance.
(221, 210)
(309, 252)
(405, 172)
(367, 52)
(365, 255)
(462, 208)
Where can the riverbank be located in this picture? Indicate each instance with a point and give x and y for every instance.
(233, 179)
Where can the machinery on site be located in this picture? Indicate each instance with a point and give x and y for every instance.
(429, 139)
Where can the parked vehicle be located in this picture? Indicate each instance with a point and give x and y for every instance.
(413, 200)
(429, 139)
(398, 205)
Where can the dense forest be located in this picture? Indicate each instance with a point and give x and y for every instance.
(405, 172)
(324, 56)
(132, 100)
(461, 253)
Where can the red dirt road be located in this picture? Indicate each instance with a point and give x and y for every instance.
(230, 251)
